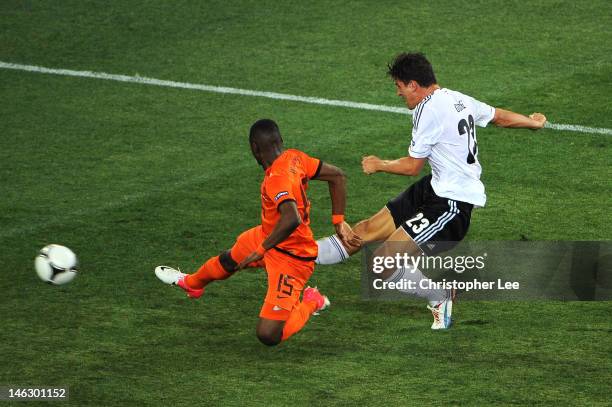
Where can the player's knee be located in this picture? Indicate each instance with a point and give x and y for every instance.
(227, 262)
(269, 337)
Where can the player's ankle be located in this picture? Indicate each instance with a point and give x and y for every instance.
(193, 282)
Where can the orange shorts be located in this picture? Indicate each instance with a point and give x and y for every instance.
(286, 275)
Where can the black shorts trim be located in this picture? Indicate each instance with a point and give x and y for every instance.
(295, 256)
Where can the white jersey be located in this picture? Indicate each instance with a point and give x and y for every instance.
(444, 132)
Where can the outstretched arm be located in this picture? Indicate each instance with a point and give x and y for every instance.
(412, 166)
(506, 118)
(336, 180)
(402, 166)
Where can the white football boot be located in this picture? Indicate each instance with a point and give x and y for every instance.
(168, 275)
(442, 312)
(172, 276)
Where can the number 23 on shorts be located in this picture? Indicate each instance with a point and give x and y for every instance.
(418, 223)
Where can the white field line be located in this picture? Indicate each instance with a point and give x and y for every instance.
(577, 128)
(247, 92)
(205, 88)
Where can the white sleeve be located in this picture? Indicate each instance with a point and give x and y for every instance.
(483, 112)
(425, 133)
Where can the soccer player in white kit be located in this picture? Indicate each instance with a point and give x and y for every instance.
(433, 214)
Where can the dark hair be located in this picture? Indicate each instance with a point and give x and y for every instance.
(412, 66)
(264, 131)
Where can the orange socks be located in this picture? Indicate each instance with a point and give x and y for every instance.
(210, 271)
(298, 318)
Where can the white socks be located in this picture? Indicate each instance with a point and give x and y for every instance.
(434, 296)
(331, 251)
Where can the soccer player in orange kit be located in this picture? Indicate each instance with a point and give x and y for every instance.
(283, 243)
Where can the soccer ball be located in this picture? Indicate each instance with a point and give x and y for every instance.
(56, 264)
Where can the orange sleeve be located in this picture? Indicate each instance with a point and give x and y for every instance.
(279, 188)
(312, 166)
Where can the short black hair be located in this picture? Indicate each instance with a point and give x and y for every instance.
(265, 131)
(412, 66)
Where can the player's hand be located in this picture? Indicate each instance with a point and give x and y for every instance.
(251, 258)
(346, 234)
(539, 119)
(370, 164)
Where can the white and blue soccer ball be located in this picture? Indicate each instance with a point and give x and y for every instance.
(56, 264)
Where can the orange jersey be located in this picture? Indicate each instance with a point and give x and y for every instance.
(287, 179)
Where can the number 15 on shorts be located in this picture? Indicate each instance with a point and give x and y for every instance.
(284, 286)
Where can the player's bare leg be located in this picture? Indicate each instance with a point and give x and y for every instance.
(376, 228)
(398, 242)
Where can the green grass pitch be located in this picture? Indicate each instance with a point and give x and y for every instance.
(132, 176)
